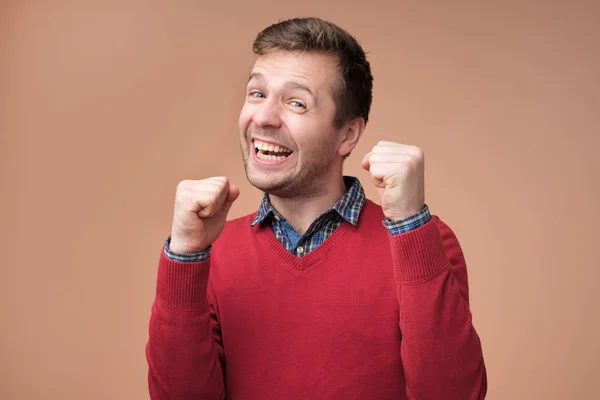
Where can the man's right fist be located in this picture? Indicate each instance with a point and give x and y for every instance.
(200, 213)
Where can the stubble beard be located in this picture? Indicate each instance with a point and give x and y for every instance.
(308, 181)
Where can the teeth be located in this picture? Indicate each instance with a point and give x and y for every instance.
(267, 157)
(267, 147)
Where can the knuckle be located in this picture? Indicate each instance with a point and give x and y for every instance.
(411, 160)
(417, 151)
(182, 197)
(182, 184)
(181, 189)
(218, 181)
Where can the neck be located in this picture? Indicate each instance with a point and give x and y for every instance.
(301, 211)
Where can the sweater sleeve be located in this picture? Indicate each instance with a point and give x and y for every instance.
(184, 350)
(440, 349)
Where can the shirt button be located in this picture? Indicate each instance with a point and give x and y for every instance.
(277, 218)
(300, 250)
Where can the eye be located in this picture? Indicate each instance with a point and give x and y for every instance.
(257, 94)
(297, 104)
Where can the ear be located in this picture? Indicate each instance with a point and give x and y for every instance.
(349, 135)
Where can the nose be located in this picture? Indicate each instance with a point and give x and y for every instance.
(268, 114)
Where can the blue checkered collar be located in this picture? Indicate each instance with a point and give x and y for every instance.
(348, 207)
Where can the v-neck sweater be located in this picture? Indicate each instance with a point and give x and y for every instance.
(366, 315)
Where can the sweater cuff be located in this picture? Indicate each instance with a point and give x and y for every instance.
(408, 224)
(194, 257)
(182, 284)
(419, 255)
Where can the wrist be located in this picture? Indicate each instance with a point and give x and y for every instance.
(402, 214)
(408, 224)
(183, 247)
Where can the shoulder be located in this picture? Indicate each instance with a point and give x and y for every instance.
(371, 217)
(372, 209)
(235, 238)
(239, 225)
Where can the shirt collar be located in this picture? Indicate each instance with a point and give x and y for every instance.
(348, 207)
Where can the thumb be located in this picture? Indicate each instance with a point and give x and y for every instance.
(232, 196)
(378, 182)
(365, 163)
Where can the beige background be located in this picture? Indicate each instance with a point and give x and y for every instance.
(105, 106)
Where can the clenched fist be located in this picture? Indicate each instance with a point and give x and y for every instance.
(398, 172)
(200, 213)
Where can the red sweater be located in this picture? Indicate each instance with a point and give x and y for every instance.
(366, 315)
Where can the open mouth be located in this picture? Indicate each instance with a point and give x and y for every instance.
(269, 152)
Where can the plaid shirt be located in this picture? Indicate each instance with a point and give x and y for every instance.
(348, 209)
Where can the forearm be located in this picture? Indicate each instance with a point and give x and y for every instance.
(182, 353)
(440, 349)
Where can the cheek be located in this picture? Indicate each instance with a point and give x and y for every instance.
(308, 139)
(245, 119)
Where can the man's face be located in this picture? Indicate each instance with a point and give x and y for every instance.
(288, 141)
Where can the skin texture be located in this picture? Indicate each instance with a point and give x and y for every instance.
(289, 102)
(398, 172)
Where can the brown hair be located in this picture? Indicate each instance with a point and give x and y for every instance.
(353, 93)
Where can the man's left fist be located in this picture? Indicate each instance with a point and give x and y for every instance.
(398, 171)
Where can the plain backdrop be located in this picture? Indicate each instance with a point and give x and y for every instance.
(106, 106)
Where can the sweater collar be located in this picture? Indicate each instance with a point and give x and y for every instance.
(348, 207)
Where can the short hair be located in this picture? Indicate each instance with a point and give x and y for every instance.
(353, 93)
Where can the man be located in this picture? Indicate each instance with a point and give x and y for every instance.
(321, 294)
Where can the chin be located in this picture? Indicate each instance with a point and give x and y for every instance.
(261, 181)
(265, 182)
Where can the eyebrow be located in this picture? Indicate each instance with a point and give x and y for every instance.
(289, 85)
(256, 76)
(299, 86)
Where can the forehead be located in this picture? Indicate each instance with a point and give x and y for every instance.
(316, 70)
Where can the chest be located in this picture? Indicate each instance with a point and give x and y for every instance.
(351, 292)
